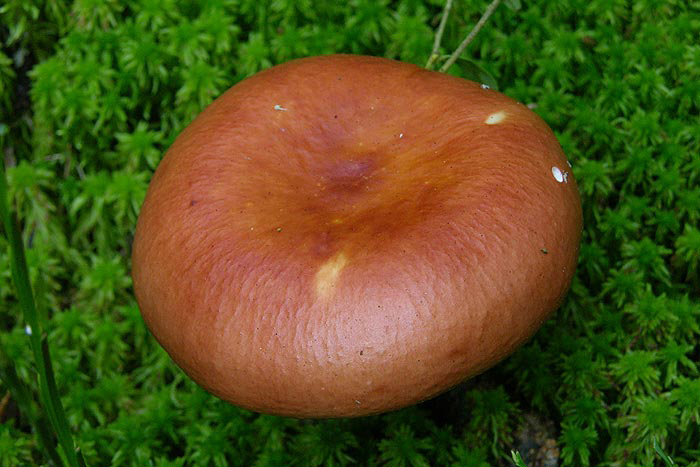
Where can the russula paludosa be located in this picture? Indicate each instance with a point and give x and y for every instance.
(345, 235)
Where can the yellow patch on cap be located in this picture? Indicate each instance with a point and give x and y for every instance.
(327, 275)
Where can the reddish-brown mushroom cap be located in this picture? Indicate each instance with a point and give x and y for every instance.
(345, 235)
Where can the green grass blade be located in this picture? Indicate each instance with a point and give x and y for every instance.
(20, 276)
(22, 396)
(18, 264)
(51, 391)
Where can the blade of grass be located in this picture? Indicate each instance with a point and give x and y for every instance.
(51, 394)
(22, 396)
(434, 55)
(470, 37)
(48, 391)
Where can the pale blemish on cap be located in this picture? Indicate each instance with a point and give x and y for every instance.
(561, 177)
(485, 86)
(279, 107)
(400, 135)
(327, 275)
(495, 118)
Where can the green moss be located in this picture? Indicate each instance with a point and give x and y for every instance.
(92, 92)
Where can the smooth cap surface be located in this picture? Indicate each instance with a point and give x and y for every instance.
(345, 235)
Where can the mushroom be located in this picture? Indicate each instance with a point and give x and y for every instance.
(346, 235)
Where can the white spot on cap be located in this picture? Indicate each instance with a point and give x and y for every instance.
(400, 135)
(485, 86)
(495, 118)
(559, 175)
(279, 107)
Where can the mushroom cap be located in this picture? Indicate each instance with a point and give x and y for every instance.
(346, 235)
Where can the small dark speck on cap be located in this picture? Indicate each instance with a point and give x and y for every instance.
(193, 202)
(544, 250)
